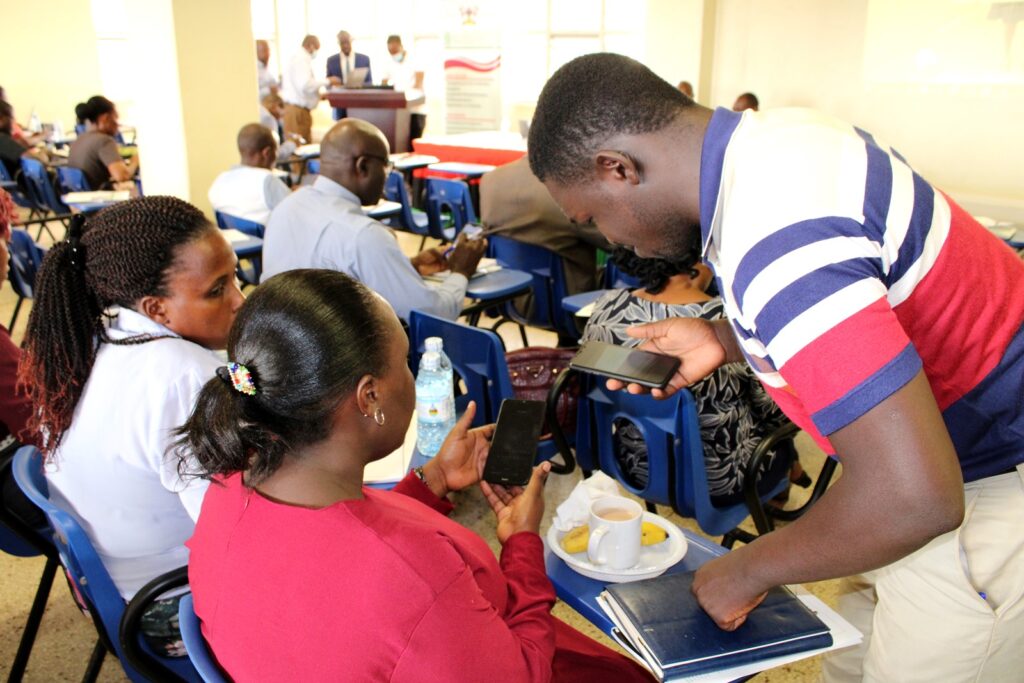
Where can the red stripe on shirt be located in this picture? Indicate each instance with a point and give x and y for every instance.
(950, 323)
(852, 351)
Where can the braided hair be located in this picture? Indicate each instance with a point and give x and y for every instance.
(305, 337)
(654, 273)
(115, 258)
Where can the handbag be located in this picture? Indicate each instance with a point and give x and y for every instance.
(533, 371)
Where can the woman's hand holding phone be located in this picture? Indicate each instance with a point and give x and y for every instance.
(460, 461)
(518, 509)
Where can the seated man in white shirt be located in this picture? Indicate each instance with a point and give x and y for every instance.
(250, 190)
(323, 226)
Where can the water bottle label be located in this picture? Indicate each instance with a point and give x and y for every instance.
(435, 410)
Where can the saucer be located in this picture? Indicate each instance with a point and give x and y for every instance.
(654, 559)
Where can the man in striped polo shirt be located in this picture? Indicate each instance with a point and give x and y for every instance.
(882, 318)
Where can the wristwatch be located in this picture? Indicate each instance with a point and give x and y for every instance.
(418, 471)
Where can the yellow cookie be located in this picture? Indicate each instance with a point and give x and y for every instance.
(576, 540)
(652, 534)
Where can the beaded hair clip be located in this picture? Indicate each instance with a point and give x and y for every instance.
(241, 379)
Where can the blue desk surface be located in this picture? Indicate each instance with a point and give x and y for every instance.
(498, 284)
(580, 592)
(91, 207)
(250, 246)
(408, 161)
(462, 168)
(383, 209)
(574, 303)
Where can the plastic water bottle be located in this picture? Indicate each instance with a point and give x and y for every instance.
(435, 404)
(437, 344)
(34, 124)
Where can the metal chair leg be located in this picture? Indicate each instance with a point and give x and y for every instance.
(35, 616)
(522, 334)
(17, 309)
(92, 672)
(737, 534)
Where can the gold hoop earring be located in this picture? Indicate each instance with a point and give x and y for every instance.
(378, 417)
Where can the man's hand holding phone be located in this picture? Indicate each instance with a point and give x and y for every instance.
(702, 346)
(466, 254)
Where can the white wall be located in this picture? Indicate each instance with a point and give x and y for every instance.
(895, 68)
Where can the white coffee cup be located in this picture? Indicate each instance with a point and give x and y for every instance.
(616, 524)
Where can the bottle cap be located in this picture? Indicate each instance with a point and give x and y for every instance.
(431, 360)
(434, 344)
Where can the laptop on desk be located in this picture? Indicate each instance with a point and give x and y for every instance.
(356, 77)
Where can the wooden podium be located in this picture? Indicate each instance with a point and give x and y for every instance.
(386, 109)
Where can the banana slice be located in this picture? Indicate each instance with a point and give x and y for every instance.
(576, 540)
(652, 534)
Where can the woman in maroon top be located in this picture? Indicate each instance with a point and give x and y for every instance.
(299, 572)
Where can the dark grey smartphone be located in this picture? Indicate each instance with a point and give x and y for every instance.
(629, 365)
(514, 443)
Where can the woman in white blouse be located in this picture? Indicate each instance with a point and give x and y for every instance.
(108, 391)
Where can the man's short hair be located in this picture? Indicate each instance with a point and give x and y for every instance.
(395, 38)
(589, 100)
(309, 40)
(253, 138)
(271, 100)
(750, 99)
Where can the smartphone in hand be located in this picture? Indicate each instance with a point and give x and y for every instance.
(514, 443)
(647, 369)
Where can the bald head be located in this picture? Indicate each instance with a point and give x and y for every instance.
(262, 51)
(256, 146)
(354, 154)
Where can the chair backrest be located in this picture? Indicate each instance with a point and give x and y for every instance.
(16, 537)
(87, 576)
(313, 166)
(675, 453)
(40, 186)
(226, 221)
(396, 191)
(477, 356)
(72, 180)
(79, 128)
(616, 279)
(26, 258)
(198, 650)
(451, 198)
(15, 191)
(549, 285)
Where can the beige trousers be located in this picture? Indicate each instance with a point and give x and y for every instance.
(297, 120)
(952, 611)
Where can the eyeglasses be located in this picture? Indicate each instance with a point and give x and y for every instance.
(389, 165)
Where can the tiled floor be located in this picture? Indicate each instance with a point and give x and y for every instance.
(66, 637)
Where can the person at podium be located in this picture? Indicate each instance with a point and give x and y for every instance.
(405, 75)
(344, 63)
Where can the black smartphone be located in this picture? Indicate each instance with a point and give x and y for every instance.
(630, 365)
(514, 443)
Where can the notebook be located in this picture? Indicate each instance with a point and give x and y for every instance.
(486, 265)
(663, 623)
